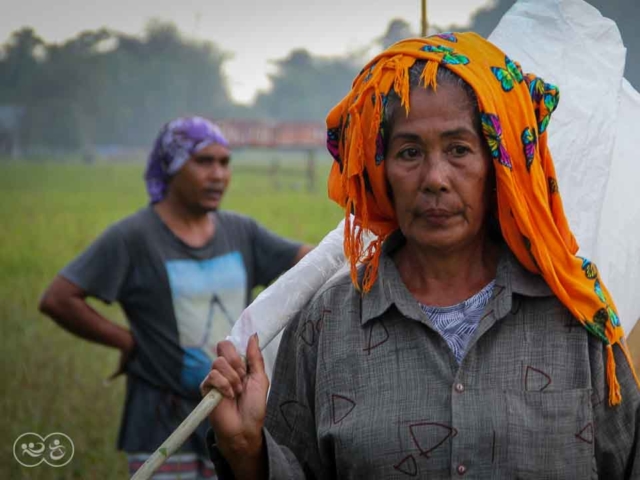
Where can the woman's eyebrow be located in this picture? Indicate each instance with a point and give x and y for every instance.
(459, 132)
(455, 132)
(414, 137)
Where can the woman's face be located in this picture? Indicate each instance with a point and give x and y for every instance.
(439, 170)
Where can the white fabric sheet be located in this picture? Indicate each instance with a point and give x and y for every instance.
(594, 140)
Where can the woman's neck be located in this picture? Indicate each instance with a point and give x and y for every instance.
(443, 278)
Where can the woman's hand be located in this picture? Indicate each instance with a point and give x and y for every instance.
(239, 417)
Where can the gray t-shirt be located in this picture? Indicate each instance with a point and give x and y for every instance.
(179, 300)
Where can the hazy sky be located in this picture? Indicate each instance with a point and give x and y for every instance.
(254, 31)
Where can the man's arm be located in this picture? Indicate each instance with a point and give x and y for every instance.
(66, 303)
(302, 251)
(273, 254)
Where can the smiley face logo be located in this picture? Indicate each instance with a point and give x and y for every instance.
(56, 449)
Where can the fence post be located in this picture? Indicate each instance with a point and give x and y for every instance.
(275, 167)
(311, 170)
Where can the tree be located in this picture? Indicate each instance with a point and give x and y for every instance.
(397, 30)
(19, 63)
(105, 87)
(305, 87)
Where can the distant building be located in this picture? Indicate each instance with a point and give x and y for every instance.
(271, 134)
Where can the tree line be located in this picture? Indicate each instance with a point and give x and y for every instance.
(108, 88)
(105, 87)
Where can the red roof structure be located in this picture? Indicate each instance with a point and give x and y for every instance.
(269, 134)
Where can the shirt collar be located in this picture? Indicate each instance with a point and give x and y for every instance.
(389, 289)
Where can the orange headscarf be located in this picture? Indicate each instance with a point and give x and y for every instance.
(515, 109)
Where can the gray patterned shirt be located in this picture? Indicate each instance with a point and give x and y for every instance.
(364, 387)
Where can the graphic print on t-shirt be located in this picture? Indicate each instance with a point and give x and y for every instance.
(208, 297)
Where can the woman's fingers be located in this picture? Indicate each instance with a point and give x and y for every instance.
(223, 378)
(218, 381)
(255, 361)
(228, 371)
(228, 351)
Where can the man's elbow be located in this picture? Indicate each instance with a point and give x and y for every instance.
(57, 298)
(302, 251)
(49, 303)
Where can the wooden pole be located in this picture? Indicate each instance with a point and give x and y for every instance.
(179, 436)
(424, 24)
(275, 173)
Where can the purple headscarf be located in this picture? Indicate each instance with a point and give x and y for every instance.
(177, 141)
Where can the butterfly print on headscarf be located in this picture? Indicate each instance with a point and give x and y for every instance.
(508, 76)
(492, 131)
(448, 36)
(333, 144)
(550, 103)
(529, 142)
(589, 268)
(545, 97)
(449, 56)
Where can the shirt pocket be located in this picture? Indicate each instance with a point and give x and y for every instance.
(550, 434)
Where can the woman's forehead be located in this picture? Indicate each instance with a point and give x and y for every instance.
(448, 108)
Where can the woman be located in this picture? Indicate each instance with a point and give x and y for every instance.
(458, 347)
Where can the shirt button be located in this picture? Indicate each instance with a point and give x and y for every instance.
(459, 387)
(461, 469)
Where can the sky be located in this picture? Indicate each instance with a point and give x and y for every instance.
(252, 31)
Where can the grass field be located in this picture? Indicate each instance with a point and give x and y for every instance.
(52, 382)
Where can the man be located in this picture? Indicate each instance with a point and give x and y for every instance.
(182, 271)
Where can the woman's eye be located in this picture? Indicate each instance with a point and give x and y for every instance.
(459, 150)
(409, 153)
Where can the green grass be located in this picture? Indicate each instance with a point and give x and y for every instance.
(52, 381)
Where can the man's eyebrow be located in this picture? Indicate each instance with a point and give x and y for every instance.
(208, 156)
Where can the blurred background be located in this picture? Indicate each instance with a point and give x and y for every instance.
(84, 88)
(100, 81)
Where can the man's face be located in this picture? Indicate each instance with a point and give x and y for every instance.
(203, 179)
